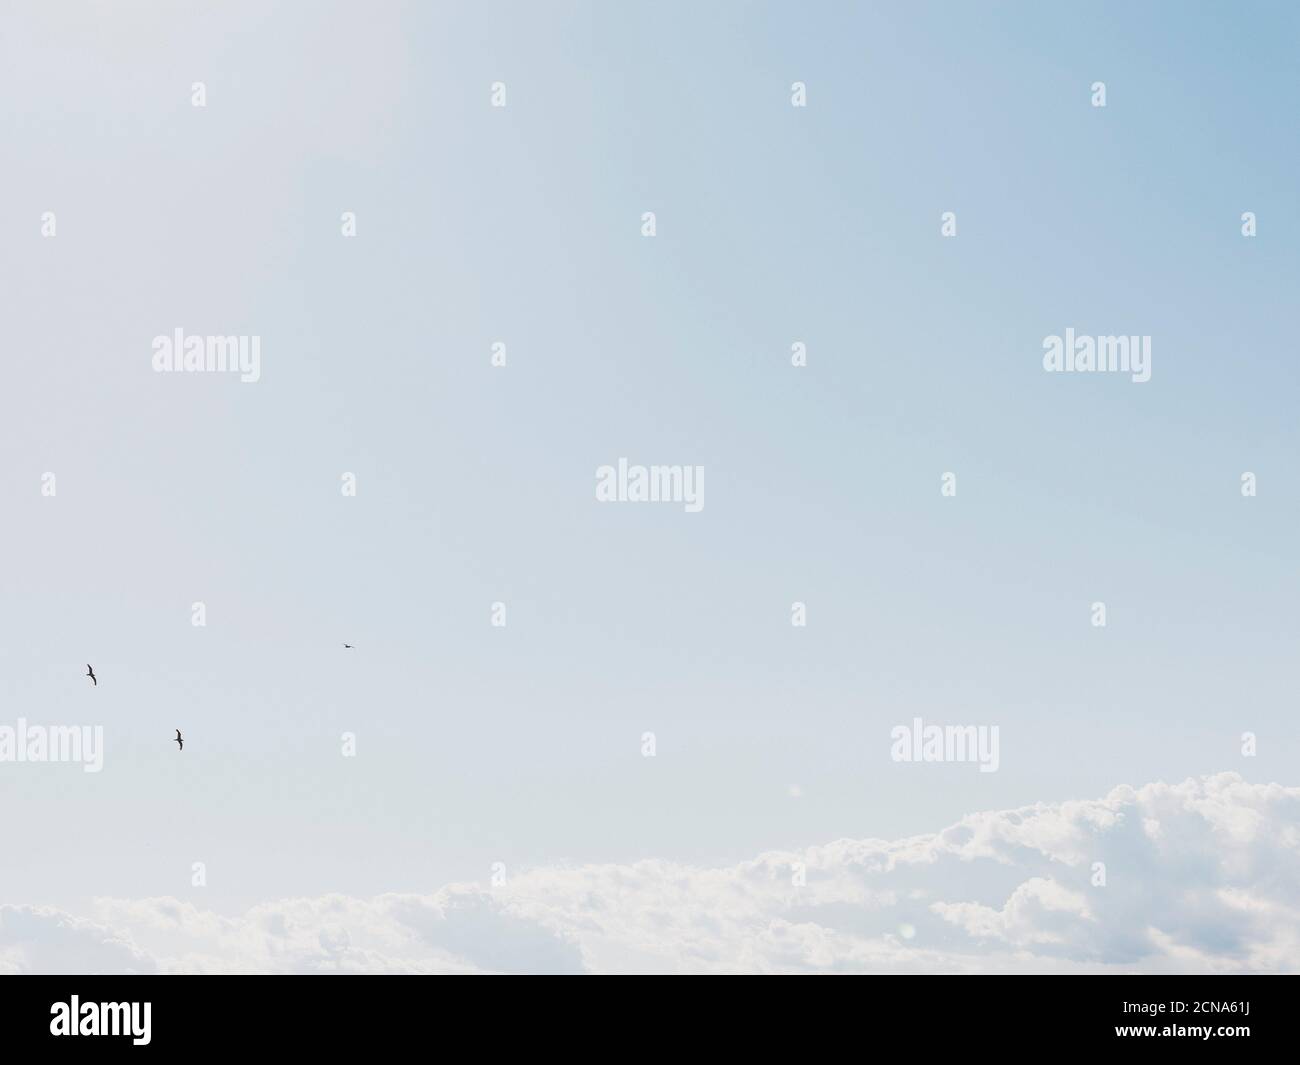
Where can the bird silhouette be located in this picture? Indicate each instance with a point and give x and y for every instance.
(179, 742)
(91, 674)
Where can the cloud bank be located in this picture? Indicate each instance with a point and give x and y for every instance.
(1202, 876)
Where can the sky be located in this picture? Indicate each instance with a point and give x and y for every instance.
(523, 744)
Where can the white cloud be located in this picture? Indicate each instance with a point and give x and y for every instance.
(1200, 876)
(37, 939)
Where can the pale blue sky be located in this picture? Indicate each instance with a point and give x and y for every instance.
(775, 224)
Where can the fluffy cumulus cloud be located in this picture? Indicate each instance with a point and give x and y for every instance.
(1202, 876)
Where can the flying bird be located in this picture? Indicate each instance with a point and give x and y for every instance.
(91, 674)
(179, 742)
(349, 647)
